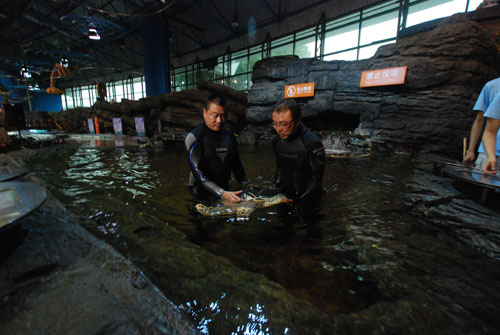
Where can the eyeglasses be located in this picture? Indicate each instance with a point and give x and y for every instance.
(215, 116)
(284, 125)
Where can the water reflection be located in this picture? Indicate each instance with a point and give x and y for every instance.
(353, 257)
(253, 322)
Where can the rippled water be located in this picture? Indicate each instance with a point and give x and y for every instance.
(358, 263)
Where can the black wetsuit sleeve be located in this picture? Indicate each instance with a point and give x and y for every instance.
(316, 161)
(195, 155)
(278, 174)
(238, 169)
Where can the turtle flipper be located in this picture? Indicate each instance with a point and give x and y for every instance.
(275, 200)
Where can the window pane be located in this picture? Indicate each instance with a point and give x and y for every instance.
(239, 82)
(221, 81)
(254, 59)
(347, 55)
(226, 66)
(206, 74)
(239, 54)
(435, 9)
(305, 48)
(219, 70)
(190, 78)
(341, 39)
(343, 21)
(379, 28)
(281, 41)
(180, 79)
(239, 66)
(305, 33)
(70, 104)
(283, 50)
(473, 5)
(119, 91)
(369, 51)
(77, 94)
(63, 102)
(138, 90)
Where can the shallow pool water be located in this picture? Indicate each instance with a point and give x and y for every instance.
(358, 261)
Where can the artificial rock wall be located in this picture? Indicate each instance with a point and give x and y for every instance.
(178, 109)
(447, 68)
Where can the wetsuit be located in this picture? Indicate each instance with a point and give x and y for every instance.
(212, 155)
(300, 163)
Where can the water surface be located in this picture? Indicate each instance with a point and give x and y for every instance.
(357, 262)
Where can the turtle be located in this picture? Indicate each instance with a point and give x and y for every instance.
(243, 208)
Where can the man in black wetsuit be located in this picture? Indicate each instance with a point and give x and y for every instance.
(300, 155)
(213, 153)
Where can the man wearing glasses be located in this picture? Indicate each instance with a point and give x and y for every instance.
(300, 155)
(213, 153)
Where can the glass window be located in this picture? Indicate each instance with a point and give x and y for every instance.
(346, 55)
(119, 91)
(77, 94)
(219, 69)
(239, 66)
(180, 78)
(254, 58)
(379, 25)
(239, 54)
(305, 48)
(138, 90)
(281, 41)
(282, 50)
(239, 82)
(190, 78)
(69, 98)
(433, 9)
(63, 101)
(342, 38)
(343, 21)
(109, 90)
(226, 65)
(473, 5)
(305, 33)
(369, 51)
(206, 74)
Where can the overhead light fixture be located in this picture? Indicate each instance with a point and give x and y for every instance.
(93, 34)
(24, 72)
(234, 23)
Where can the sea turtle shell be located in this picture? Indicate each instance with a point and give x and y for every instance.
(243, 208)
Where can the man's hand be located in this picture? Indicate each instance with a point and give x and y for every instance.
(491, 166)
(470, 157)
(231, 196)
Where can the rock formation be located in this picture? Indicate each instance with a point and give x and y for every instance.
(173, 109)
(447, 68)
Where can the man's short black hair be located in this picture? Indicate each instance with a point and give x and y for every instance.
(292, 106)
(216, 99)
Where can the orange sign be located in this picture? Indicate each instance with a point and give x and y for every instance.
(96, 123)
(299, 90)
(383, 77)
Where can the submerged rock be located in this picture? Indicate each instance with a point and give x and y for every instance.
(446, 68)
